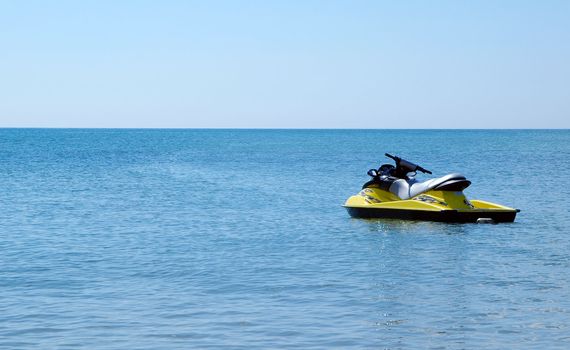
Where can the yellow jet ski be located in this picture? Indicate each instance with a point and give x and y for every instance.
(395, 193)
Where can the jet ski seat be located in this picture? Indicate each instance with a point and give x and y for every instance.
(406, 189)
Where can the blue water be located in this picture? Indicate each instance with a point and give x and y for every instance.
(176, 239)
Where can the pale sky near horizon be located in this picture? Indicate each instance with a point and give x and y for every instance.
(285, 64)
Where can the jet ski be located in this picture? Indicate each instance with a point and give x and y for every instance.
(393, 192)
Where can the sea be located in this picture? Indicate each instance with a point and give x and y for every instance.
(238, 239)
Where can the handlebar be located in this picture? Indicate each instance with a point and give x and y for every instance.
(425, 171)
(406, 165)
(391, 156)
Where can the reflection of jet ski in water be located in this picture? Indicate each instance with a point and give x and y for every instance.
(394, 193)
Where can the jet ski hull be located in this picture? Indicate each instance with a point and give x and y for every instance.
(442, 206)
(439, 216)
(392, 194)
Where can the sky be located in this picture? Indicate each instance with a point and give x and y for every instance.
(285, 64)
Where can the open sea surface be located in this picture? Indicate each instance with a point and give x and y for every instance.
(177, 239)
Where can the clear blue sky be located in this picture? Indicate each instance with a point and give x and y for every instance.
(300, 64)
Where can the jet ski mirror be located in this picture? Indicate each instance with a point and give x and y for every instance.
(372, 173)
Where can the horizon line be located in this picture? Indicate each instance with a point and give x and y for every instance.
(254, 128)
